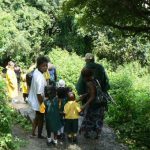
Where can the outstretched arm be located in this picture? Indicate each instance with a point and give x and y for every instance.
(92, 93)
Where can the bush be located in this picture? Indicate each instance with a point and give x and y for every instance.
(68, 65)
(130, 115)
(6, 139)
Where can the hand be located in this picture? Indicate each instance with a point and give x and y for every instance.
(82, 108)
(81, 97)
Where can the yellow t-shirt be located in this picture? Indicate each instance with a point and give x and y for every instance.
(24, 84)
(71, 110)
(46, 75)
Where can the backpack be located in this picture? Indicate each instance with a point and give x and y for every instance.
(52, 74)
(101, 97)
(29, 78)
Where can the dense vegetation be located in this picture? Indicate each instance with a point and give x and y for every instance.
(7, 141)
(130, 89)
(65, 30)
(128, 15)
(130, 115)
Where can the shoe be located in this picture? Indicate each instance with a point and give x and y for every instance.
(70, 139)
(86, 135)
(97, 137)
(41, 137)
(26, 101)
(54, 142)
(49, 141)
(14, 101)
(75, 140)
(62, 136)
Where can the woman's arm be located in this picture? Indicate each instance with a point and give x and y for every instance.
(91, 93)
(82, 97)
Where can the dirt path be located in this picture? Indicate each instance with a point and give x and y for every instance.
(107, 140)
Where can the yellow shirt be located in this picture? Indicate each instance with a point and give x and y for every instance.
(46, 75)
(71, 110)
(24, 84)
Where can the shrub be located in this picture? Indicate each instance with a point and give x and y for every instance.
(130, 115)
(6, 139)
(68, 65)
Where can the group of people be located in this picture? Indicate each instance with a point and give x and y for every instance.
(57, 103)
(61, 109)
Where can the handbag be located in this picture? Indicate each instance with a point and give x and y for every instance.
(101, 97)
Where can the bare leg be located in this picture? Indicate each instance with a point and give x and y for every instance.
(34, 124)
(40, 124)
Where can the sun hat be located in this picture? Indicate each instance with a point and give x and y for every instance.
(89, 56)
(61, 83)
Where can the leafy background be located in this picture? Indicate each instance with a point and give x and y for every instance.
(46, 27)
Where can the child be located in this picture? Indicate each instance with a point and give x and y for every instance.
(71, 110)
(62, 97)
(24, 86)
(52, 117)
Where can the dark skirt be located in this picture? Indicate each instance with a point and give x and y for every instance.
(93, 120)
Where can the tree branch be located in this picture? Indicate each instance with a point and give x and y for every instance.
(131, 28)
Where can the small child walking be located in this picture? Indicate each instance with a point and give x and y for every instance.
(52, 117)
(62, 92)
(24, 86)
(71, 110)
(61, 104)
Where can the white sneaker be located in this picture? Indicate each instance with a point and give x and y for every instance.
(15, 101)
(49, 140)
(55, 142)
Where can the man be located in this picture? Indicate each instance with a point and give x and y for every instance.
(36, 94)
(98, 73)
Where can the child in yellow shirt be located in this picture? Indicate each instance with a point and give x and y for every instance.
(71, 111)
(24, 86)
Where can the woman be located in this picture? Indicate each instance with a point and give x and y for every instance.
(11, 81)
(94, 112)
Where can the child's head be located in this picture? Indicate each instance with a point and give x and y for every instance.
(71, 96)
(50, 92)
(61, 92)
(61, 83)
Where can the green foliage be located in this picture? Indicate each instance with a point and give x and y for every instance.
(22, 121)
(124, 15)
(68, 65)
(70, 36)
(22, 28)
(117, 49)
(130, 115)
(5, 112)
(7, 142)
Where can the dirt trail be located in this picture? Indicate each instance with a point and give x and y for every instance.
(107, 140)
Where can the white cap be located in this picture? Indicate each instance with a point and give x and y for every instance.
(61, 83)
